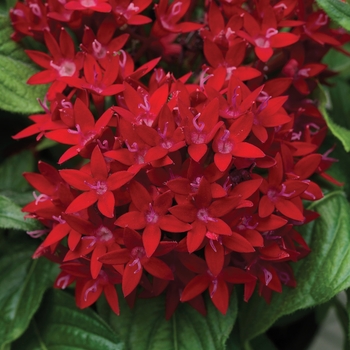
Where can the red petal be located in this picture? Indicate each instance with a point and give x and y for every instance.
(247, 150)
(158, 268)
(118, 179)
(220, 227)
(133, 219)
(76, 178)
(289, 209)
(264, 54)
(83, 201)
(172, 224)
(151, 238)
(283, 39)
(117, 257)
(220, 297)
(215, 260)
(266, 207)
(195, 287)
(106, 203)
(195, 236)
(131, 278)
(56, 234)
(184, 212)
(112, 297)
(197, 151)
(95, 264)
(237, 243)
(222, 161)
(98, 165)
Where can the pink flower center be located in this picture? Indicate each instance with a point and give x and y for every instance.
(137, 253)
(104, 234)
(37, 233)
(35, 9)
(268, 276)
(62, 282)
(273, 193)
(99, 50)
(41, 198)
(84, 137)
(88, 3)
(213, 237)
(262, 42)
(197, 136)
(65, 69)
(92, 289)
(203, 215)
(225, 145)
(100, 187)
(151, 215)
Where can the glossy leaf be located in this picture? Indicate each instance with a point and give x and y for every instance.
(59, 324)
(15, 69)
(23, 282)
(11, 216)
(338, 131)
(320, 276)
(337, 10)
(145, 327)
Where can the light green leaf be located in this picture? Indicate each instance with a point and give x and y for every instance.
(338, 131)
(145, 327)
(15, 69)
(320, 276)
(337, 10)
(11, 216)
(338, 62)
(60, 325)
(22, 285)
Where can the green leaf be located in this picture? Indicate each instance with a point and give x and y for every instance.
(6, 5)
(338, 62)
(262, 342)
(11, 171)
(15, 69)
(11, 216)
(145, 327)
(22, 285)
(337, 10)
(320, 276)
(60, 325)
(338, 131)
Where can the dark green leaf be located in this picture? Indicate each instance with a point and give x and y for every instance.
(320, 276)
(6, 5)
(262, 342)
(234, 342)
(19, 198)
(15, 69)
(60, 325)
(11, 171)
(337, 10)
(145, 327)
(22, 285)
(338, 131)
(348, 311)
(11, 216)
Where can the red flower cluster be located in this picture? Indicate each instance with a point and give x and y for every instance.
(189, 184)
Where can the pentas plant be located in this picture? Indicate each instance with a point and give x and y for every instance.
(194, 134)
